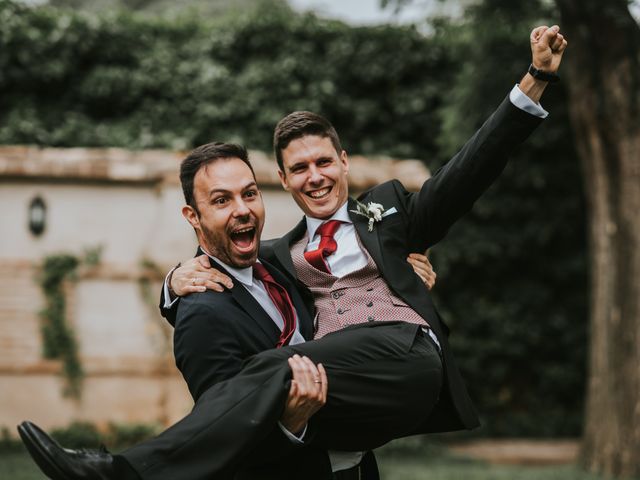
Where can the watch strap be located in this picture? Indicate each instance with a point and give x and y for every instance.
(542, 75)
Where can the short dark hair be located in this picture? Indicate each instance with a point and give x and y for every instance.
(299, 124)
(203, 156)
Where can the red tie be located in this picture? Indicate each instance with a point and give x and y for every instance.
(282, 301)
(327, 246)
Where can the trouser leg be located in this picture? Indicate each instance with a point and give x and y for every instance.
(380, 386)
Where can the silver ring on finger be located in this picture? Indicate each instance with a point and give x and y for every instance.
(193, 281)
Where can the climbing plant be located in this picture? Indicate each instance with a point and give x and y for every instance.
(58, 338)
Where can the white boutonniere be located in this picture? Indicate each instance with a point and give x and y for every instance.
(373, 211)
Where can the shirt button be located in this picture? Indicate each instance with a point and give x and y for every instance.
(370, 304)
(370, 319)
(340, 311)
(336, 295)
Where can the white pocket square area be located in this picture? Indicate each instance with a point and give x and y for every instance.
(391, 211)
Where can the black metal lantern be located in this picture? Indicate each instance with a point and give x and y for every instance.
(37, 216)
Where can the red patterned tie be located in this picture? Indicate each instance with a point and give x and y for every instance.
(282, 301)
(327, 246)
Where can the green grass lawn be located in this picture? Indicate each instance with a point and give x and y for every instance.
(393, 466)
(18, 466)
(403, 467)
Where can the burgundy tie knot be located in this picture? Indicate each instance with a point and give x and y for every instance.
(280, 298)
(262, 273)
(327, 246)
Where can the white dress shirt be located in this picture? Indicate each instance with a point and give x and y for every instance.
(348, 257)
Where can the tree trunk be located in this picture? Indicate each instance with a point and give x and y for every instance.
(603, 62)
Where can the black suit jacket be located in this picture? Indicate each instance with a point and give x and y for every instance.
(422, 220)
(214, 334)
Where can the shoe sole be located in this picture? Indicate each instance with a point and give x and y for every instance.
(40, 456)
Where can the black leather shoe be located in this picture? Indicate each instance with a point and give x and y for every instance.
(59, 463)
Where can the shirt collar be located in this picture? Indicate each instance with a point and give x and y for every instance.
(313, 224)
(243, 275)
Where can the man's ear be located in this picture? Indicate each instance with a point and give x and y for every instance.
(283, 180)
(191, 215)
(344, 159)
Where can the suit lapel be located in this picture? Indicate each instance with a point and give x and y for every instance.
(281, 247)
(249, 304)
(369, 240)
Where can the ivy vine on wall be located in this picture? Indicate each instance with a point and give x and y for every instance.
(58, 338)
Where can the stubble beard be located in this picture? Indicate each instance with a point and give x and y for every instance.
(219, 245)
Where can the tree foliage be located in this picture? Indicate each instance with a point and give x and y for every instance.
(123, 80)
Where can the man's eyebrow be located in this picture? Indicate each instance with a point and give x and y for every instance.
(303, 162)
(215, 190)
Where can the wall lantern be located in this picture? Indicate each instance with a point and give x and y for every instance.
(37, 216)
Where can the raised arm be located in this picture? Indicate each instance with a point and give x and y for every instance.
(453, 189)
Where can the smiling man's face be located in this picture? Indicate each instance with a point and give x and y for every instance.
(230, 214)
(316, 175)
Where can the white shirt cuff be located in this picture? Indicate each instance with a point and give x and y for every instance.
(523, 102)
(168, 303)
(293, 438)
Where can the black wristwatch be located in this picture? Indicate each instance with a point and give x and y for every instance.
(544, 76)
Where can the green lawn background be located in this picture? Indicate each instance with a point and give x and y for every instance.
(393, 466)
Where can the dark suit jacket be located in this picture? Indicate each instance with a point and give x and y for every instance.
(422, 220)
(214, 334)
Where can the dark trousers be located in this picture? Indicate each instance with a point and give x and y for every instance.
(384, 379)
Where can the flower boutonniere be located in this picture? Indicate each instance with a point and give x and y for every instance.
(372, 211)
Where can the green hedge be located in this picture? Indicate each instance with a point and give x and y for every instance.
(120, 79)
(512, 278)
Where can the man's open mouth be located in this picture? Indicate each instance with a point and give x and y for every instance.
(243, 238)
(320, 193)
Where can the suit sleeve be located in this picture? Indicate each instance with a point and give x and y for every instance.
(207, 351)
(454, 188)
(168, 313)
(206, 346)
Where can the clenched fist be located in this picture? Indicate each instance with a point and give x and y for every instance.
(547, 47)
